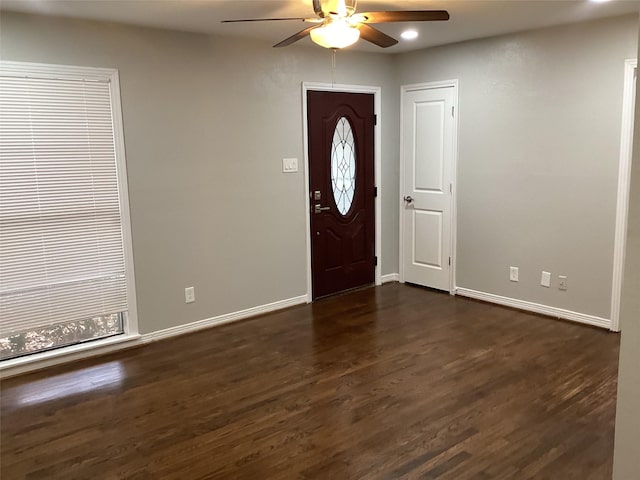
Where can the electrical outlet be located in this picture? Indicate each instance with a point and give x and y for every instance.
(513, 274)
(562, 282)
(189, 295)
(545, 280)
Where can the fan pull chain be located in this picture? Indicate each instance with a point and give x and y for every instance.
(333, 66)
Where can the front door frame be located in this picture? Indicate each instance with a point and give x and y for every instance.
(454, 163)
(377, 148)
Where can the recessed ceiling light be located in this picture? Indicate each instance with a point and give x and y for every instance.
(599, 1)
(409, 34)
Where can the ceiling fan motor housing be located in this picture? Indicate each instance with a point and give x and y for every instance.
(342, 8)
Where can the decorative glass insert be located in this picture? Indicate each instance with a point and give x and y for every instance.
(343, 165)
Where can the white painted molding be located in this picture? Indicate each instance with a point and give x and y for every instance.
(10, 368)
(624, 176)
(535, 307)
(131, 320)
(72, 353)
(428, 85)
(391, 277)
(377, 161)
(222, 319)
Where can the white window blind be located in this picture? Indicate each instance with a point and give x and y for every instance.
(61, 238)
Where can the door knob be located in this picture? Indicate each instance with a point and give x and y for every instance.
(318, 209)
(408, 199)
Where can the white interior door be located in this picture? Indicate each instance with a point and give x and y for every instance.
(427, 155)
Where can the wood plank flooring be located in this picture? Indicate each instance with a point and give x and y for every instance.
(384, 383)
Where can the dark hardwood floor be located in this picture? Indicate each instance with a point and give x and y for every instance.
(383, 383)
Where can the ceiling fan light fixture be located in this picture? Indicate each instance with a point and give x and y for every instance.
(335, 34)
(340, 25)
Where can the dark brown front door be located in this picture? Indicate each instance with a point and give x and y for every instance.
(341, 183)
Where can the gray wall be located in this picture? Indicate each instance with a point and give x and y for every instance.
(539, 138)
(207, 122)
(626, 462)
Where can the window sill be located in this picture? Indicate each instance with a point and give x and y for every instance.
(36, 361)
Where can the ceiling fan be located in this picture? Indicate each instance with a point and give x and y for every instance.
(337, 25)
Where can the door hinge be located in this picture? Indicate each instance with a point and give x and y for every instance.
(375, 261)
(375, 191)
(449, 261)
(451, 188)
(453, 111)
(375, 119)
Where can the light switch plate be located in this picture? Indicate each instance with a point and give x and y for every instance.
(545, 280)
(289, 165)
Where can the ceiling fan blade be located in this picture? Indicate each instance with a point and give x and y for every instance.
(405, 16)
(373, 35)
(300, 19)
(294, 38)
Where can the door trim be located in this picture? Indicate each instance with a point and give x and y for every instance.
(377, 148)
(404, 89)
(624, 176)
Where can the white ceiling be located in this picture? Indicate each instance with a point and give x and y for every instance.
(469, 18)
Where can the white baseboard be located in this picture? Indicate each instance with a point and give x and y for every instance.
(535, 307)
(10, 368)
(222, 319)
(391, 277)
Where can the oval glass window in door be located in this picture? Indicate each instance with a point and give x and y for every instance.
(343, 165)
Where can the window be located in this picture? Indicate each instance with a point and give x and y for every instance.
(343, 165)
(65, 260)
